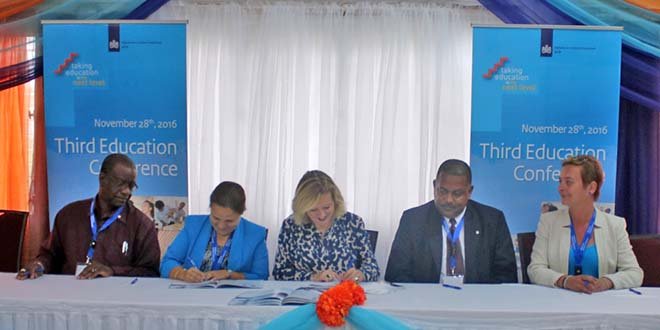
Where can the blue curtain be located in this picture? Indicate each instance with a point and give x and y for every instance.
(527, 12)
(640, 78)
(638, 163)
(30, 26)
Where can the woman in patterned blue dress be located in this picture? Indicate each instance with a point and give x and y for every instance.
(320, 241)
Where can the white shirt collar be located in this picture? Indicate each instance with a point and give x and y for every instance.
(458, 218)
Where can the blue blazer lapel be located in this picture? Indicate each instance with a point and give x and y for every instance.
(433, 237)
(236, 252)
(198, 249)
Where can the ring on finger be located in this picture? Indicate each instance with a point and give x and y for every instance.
(356, 278)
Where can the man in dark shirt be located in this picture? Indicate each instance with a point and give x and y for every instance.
(105, 235)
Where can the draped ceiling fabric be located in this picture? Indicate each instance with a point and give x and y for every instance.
(652, 5)
(9, 8)
(638, 163)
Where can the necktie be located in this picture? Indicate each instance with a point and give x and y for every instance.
(454, 250)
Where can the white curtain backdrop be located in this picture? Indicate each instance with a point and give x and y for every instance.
(376, 94)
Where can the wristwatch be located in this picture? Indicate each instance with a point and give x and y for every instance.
(40, 267)
(229, 271)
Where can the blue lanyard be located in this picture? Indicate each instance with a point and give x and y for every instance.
(96, 230)
(578, 251)
(457, 232)
(453, 238)
(219, 260)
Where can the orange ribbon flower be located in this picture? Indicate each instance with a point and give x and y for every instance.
(333, 305)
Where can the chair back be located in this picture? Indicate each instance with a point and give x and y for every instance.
(12, 229)
(647, 251)
(166, 236)
(373, 239)
(525, 245)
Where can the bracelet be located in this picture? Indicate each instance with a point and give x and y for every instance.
(178, 273)
(563, 285)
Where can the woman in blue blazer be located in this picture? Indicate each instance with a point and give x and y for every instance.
(222, 245)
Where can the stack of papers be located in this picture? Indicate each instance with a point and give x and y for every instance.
(280, 297)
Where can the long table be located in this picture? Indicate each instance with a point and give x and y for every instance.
(62, 302)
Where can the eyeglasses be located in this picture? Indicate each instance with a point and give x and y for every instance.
(118, 183)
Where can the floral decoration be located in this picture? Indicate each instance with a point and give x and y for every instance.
(333, 305)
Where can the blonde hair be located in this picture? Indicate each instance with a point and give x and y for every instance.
(308, 192)
(590, 170)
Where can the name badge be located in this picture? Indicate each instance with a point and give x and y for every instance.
(79, 268)
(453, 280)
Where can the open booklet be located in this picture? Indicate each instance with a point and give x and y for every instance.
(282, 296)
(218, 284)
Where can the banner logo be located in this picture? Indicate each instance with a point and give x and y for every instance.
(113, 37)
(66, 63)
(546, 42)
(495, 67)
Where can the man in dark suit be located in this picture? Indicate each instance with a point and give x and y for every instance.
(479, 246)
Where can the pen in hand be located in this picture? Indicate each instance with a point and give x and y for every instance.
(192, 262)
(452, 286)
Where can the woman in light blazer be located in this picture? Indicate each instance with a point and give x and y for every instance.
(222, 245)
(583, 249)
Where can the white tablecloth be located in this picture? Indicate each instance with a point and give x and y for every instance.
(61, 302)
